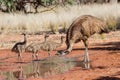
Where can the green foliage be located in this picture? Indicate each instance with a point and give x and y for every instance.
(10, 4)
(71, 2)
(53, 2)
(49, 2)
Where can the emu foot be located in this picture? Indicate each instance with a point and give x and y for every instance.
(86, 64)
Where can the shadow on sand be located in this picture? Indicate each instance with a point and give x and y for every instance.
(110, 46)
(107, 78)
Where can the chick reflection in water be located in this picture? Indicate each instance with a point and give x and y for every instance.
(49, 66)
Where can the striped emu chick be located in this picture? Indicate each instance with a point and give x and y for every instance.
(51, 45)
(19, 47)
(81, 29)
(35, 47)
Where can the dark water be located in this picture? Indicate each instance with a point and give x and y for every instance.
(43, 68)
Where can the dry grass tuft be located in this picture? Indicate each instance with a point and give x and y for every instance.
(112, 23)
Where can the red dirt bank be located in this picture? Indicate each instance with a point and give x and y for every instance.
(104, 55)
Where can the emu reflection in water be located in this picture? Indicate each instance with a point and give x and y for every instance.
(46, 67)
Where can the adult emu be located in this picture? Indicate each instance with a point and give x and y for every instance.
(19, 47)
(81, 29)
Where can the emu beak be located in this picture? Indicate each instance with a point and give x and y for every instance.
(61, 52)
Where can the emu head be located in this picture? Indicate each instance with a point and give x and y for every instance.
(61, 52)
(62, 37)
(46, 35)
(23, 34)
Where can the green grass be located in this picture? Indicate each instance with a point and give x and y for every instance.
(60, 17)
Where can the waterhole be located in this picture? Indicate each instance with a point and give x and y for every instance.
(42, 68)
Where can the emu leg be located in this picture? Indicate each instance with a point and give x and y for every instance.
(37, 55)
(49, 53)
(86, 55)
(33, 56)
(36, 11)
(20, 73)
(19, 54)
(19, 57)
(70, 47)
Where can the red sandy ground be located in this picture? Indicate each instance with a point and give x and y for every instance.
(104, 55)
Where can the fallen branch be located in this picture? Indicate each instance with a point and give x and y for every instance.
(49, 9)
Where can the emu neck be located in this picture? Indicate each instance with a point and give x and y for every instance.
(61, 40)
(45, 39)
(25, 40)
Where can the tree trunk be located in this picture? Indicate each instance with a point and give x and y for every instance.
(61, 2)
(100, 1)
(113, 1)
